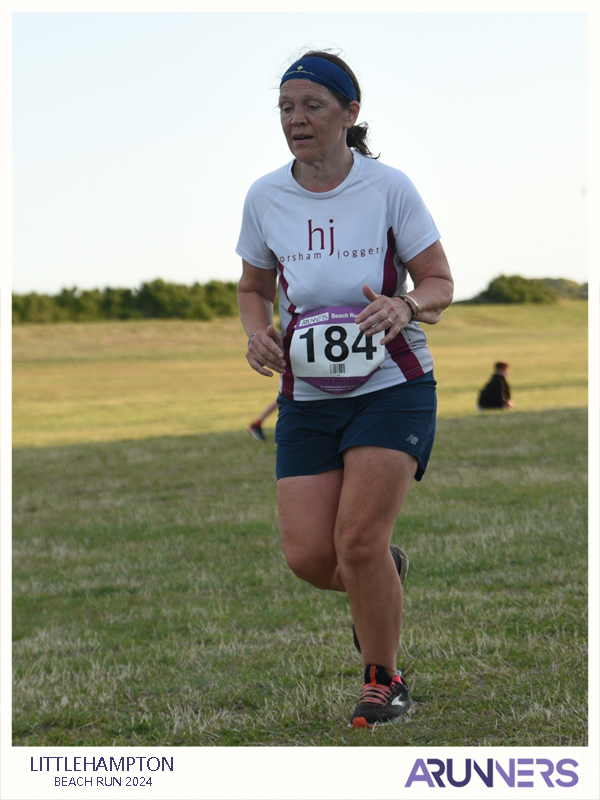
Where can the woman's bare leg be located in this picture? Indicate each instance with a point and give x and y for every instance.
(376, 482)
(308, 506)
(336, 529)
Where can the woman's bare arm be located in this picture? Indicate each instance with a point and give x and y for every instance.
(256, 292)
(433, 293)
(434, 287)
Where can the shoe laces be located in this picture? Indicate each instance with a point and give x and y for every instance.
(375, 694)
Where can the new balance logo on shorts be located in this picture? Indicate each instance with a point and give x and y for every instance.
(412, 439)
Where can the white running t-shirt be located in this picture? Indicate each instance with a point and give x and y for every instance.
(326, 247)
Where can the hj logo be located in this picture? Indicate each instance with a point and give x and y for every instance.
(312, 231)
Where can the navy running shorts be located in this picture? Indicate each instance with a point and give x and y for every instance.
(311, 435)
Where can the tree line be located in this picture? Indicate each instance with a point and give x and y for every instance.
(154, 300)
(516, 289)
(162, 300)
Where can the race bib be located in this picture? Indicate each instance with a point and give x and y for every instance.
(330, 352)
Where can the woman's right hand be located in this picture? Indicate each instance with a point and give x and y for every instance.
(265, 352)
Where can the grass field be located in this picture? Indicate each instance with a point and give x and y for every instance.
(152, 604)
(107, 381)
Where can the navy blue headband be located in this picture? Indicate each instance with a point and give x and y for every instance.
(319, 70)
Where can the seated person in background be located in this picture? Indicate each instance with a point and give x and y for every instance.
(496, 393)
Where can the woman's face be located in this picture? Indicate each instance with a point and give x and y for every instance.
(313, 121)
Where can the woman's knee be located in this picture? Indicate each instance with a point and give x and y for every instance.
(297, 562)
(358, 546)
(310, 568)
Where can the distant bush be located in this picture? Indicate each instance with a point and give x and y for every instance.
(120, 304)
(36, 308)
(515, 289)
(161, 300)
(566, 288)
(221, 299)
(155, 300)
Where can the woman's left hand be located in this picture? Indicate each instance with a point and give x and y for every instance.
(390, 314)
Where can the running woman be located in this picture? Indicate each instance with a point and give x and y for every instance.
(342, 233)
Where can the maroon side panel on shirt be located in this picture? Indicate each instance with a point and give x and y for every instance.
(390, 274)
(398, 348)
(287, 385)
(401, 353)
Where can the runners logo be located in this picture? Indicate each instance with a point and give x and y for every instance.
(313, 320)
(412, 439)
(512, 773)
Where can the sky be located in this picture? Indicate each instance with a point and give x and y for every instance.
(135, 136)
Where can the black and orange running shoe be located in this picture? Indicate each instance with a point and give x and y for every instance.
(383, 699)
(401, 562)
(257, 432)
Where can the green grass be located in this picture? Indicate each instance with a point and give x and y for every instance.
(152, 604)
(110, 381)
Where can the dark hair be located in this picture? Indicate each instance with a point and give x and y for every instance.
(357, 135)
(500, 365)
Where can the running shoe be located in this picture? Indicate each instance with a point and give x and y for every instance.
(383, 699)
(401, 562)
(257, 432)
